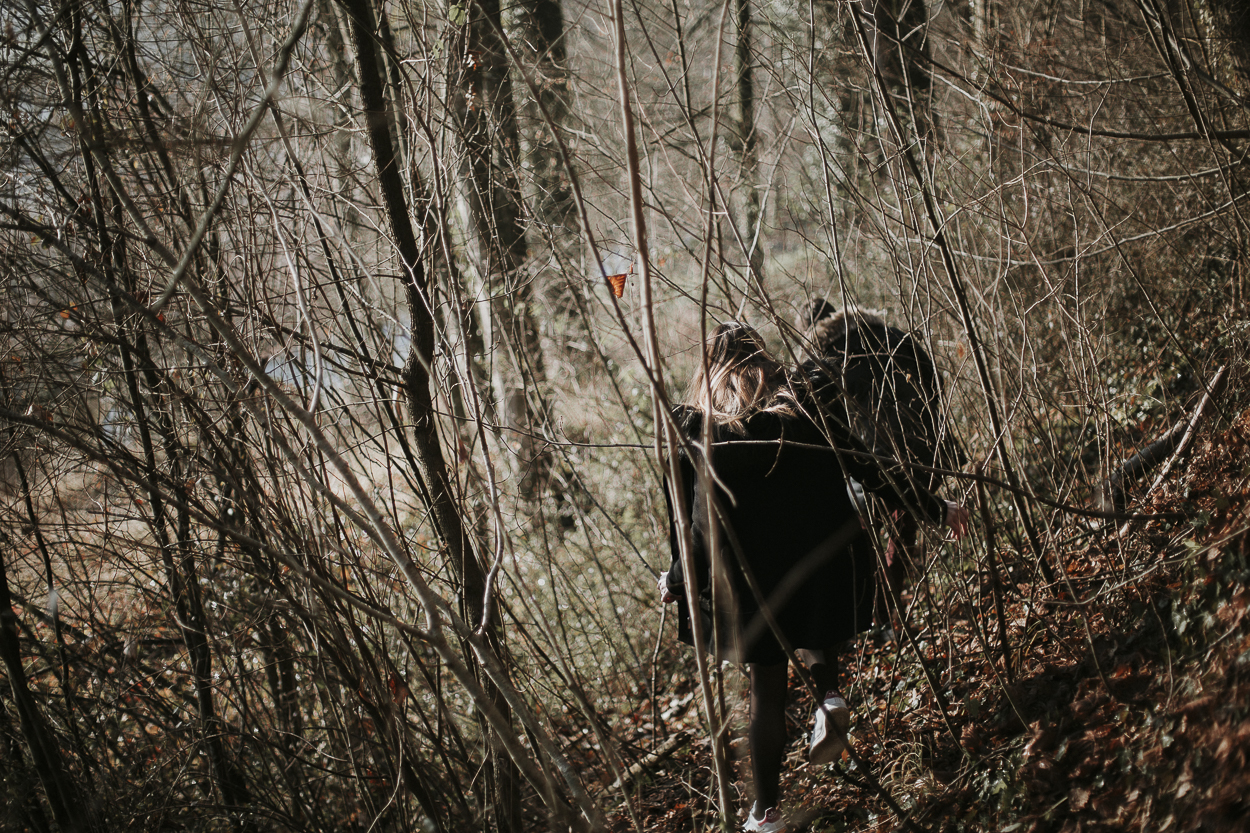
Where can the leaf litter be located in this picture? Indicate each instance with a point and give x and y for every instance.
(1126, 706)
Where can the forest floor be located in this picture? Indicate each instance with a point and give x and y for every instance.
(1124, 704)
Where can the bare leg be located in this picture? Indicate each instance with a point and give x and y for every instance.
(767, 732)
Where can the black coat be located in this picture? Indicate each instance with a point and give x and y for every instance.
(891, 389)
(787, 522)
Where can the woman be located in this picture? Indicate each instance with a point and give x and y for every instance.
(789, 543)
(893, 396)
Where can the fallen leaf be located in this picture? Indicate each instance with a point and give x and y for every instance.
(399, 689)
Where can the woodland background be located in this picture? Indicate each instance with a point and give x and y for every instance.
(331, 470)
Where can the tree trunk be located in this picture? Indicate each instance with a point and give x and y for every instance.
(1228, 45)
(898, 37)
(487, 121)
(545, 35)
(748, 151)
(427, 448)
(1229, 25)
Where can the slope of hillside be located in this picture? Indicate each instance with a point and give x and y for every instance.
(1124, 705)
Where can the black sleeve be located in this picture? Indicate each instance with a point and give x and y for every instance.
(943, 449)
(890, 480)
(689, 422)
(912, 393)
(675, 575)
(885, 477)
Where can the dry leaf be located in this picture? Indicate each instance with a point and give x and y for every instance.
(399, 689)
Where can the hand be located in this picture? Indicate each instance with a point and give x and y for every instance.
(956, 520)
(666, 594)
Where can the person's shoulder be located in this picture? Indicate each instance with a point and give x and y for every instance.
(814, 367)
(875, 331)
(896, 343)
(828, 334)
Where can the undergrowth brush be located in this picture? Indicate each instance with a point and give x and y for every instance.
(1117, 699)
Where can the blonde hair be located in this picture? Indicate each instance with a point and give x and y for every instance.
(738, 378)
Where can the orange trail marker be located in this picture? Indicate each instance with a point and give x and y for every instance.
(617, 282)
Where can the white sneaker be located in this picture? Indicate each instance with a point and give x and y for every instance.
(770, 822)
(829, 730)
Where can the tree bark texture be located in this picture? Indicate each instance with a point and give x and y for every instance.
(416, 381)
(748, 140)
(898, 37)
(1229, 24)
(482, 99)
(546, 36)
